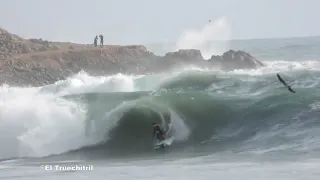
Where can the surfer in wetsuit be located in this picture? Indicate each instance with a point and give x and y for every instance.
(158, 132)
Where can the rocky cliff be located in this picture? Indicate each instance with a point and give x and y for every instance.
(37, 62)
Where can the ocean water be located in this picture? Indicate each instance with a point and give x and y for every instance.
(241, 124)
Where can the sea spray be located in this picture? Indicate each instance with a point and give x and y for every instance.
(212, 39)
(36, 124)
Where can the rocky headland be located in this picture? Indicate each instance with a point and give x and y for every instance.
(37, 62)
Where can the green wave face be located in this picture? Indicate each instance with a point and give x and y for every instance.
(205, 110)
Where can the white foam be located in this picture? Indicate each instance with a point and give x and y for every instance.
(36, 122)
(273, 67)
(315, 105)
(82, 82)
(179, 129)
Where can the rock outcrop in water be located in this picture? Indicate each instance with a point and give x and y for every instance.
(234, 59)
(37, 62)
(185, 55)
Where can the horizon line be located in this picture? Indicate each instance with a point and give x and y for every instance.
(169, 42)
(250, 39)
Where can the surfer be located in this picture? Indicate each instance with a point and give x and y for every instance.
(285, 84)
(158, 132)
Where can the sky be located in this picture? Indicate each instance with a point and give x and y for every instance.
(151, 21)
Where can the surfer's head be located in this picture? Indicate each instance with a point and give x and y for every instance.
(153, 124)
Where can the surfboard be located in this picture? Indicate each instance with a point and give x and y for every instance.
(156, 147)
(163, 144)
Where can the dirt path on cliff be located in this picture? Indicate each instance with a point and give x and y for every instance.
(50, 56)
(78, 48)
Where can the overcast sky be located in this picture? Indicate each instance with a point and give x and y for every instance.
(149, 21)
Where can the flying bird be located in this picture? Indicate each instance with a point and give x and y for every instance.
(285, 84)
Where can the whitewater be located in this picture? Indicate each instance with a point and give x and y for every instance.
(241, 123)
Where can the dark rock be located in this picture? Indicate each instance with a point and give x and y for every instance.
(42, 48)
(186, 54)
(232, 59)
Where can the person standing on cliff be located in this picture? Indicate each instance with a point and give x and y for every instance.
(95, 42)
(101, 40)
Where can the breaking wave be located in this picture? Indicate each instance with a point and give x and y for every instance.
(203, 110)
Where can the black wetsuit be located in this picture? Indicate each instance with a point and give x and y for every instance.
(158, 132)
